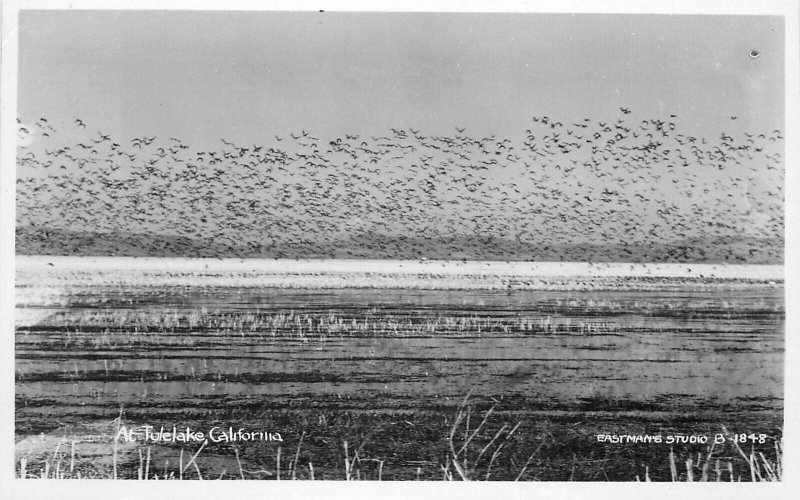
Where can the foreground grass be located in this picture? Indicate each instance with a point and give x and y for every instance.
(479, 442)
(707, 468)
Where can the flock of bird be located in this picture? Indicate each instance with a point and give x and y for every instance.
(620, 189)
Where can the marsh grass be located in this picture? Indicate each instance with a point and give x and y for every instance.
(109, 325)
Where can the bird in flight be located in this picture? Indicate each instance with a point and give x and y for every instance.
(408, 185)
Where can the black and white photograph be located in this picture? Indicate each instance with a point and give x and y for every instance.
(450, 243)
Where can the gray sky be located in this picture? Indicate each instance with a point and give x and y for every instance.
(249, 75)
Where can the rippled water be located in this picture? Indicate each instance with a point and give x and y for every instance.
(668, 354)
(690, 344)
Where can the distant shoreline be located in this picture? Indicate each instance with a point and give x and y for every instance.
(252, 267)
(46, 284)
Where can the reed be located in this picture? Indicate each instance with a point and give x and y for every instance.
(127, 327)
(466, 454)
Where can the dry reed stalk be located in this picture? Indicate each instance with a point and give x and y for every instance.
(192, 460)
(293, 465)
(199, 476)
(278, 462)
(346, 463)
(672, 468)
(527, 462)
(238, 461)
(500, 447)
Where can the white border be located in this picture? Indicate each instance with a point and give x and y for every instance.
(260, 489)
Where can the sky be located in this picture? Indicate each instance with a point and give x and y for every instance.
(255, 78)
(249, 75)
